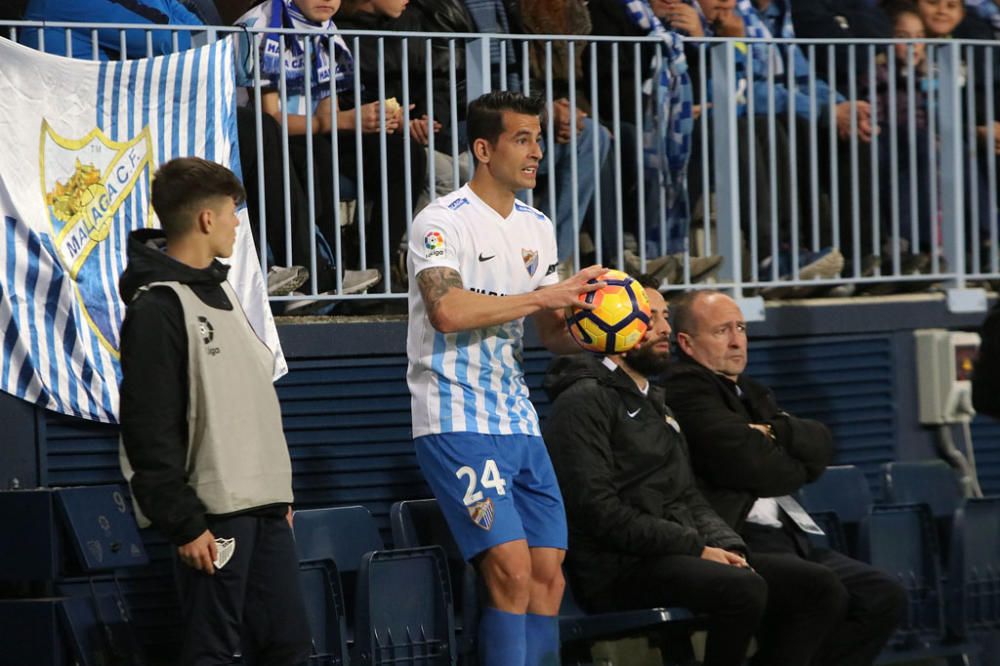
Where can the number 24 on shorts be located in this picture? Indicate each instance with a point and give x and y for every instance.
(490, 479)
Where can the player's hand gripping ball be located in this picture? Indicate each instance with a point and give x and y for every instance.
(619, 319)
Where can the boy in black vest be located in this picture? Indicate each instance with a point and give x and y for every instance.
(203, 446)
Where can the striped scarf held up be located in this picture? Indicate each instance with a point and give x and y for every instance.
(668, 119)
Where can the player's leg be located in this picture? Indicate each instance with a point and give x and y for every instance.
(506, 573)
(542, 620)
(471, 478)
(540, 505)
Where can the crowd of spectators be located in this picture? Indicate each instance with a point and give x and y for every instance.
(848, 104)
(838, 223)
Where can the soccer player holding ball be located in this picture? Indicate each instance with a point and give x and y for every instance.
(483, 261)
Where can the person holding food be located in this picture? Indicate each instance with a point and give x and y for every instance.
(332, 59)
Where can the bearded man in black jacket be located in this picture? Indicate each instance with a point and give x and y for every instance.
(640, 533)
(749, 455)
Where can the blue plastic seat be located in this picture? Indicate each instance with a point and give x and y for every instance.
(575, 624)
(343, 534)
(974, 572)
(406, 609)
(420, 522)
(841, 489)
(401, 602)
(324, 600)
(839, 500)
(929, 482)
(99, 627)
(902, 541)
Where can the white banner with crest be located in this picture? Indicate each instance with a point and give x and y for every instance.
(81, 142)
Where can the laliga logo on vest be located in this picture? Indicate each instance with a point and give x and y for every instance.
(619, 319)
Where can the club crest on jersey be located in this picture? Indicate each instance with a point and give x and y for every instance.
(530, 261)
(482, 513)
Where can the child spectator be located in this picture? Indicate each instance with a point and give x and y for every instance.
(328, 114)
(382, 16)
(947, 19)
(912, 160)
(283, 277)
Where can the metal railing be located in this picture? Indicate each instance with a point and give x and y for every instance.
(777, 184)
(945, 144)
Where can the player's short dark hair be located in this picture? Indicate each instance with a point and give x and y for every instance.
(485, 117)
(183, 184)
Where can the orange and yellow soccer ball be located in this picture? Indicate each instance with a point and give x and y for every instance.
(619, 319)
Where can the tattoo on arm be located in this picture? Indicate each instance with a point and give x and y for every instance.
(434, 283)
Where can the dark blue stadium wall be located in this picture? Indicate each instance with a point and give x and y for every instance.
(346, 414)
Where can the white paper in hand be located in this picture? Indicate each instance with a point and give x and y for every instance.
(224, 549)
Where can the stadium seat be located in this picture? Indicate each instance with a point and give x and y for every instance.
(406, 606)
(343, 534)
(401, 600)
(929, 482)
(99, 628)
(575, 624)
(321, 591)
(901, 540)
(839, 500)
(419, 522)
(974, 572)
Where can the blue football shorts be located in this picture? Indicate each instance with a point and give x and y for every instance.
(493, 489)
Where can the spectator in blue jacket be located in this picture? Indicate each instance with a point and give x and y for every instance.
(853, 122)
(109, 41)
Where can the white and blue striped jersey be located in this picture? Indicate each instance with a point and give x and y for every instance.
(472, 381)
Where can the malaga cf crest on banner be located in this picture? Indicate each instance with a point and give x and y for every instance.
(82, 142)
(91, 187)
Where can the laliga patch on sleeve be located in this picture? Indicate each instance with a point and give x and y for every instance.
(224, 549)
(433, 244)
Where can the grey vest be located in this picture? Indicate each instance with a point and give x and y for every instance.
(237, 455)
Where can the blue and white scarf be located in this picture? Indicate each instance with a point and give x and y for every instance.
(285, 14)
(490, 17)
(757, 29)
(667, 145)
